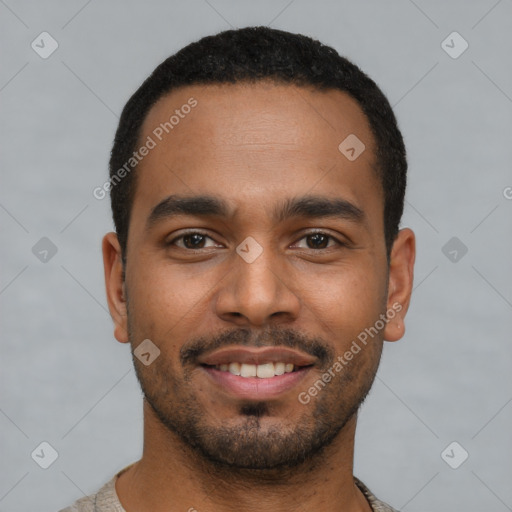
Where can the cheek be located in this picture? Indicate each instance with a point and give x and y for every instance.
(347, 299)
(164, 298)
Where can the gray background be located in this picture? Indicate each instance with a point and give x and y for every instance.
(66, 381)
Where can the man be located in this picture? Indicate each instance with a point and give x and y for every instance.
(257, 182)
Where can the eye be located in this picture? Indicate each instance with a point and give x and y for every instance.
(320, 240)
(192, 240)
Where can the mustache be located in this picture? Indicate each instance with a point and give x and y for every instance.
(274, 337)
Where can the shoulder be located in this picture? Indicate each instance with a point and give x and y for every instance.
(85, 504)
(375, 503)
(105, 500)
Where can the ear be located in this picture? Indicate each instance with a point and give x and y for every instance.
(401, 272)
(115, 287)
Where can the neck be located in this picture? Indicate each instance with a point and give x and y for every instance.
(172, 476)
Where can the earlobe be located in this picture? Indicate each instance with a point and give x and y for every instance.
(115, 285)
(395, 329)
(401, 273)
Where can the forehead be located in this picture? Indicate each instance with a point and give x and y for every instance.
(271, 114)
(255, 142)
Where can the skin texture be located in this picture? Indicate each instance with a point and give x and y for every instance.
(254, 145)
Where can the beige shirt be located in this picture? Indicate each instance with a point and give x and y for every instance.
(106, 499)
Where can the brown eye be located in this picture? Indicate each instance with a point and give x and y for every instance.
(192, 240)
(318, 241)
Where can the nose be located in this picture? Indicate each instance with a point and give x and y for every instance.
(255, 293)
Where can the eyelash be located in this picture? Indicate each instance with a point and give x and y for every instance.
(311, 233)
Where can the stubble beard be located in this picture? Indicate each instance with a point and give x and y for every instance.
(257, 438)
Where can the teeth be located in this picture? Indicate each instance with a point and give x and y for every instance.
(248, 370)
(279, 368)
(234, 368)
(262, 371)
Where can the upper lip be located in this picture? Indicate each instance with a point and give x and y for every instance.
(256, 355)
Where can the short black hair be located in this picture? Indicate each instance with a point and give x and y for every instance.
(253, 54)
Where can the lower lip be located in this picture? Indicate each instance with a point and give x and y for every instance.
(254, 388)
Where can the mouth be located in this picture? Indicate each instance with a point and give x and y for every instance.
(256, 373)
(261, 371)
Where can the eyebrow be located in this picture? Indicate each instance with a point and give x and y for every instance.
(198, 206)
(315, 207)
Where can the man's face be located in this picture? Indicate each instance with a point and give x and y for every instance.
(257, 287)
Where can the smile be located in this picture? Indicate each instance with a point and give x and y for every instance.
(256, 373)
(261, 371)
